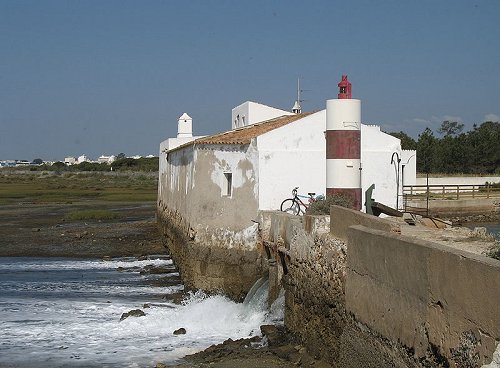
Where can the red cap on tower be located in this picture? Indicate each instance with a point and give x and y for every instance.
(345, 88)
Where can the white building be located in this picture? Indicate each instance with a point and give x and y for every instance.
(218, 184)
(70, 160)
(252, 112)
(83, 158)
(106, 159)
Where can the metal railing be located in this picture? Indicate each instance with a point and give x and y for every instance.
(414, 196)
(449, 191)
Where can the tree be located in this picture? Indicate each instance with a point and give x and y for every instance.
(483, 148)
(426, 146)
(59, 165)
(120, 156)
(450, 128)
(38, 161)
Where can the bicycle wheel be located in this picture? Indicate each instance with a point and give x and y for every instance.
(290, 206)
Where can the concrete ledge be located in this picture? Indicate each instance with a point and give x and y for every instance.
(341, 218)
(424, 294)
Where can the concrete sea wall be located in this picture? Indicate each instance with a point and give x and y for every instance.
(430, 298)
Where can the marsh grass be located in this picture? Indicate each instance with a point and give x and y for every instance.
(68, 187)
(91, 215)
(494, 252)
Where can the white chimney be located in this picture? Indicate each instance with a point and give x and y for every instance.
(185, 126)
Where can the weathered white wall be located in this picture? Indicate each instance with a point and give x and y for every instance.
(292, 156)
(171, 143)
(192, 183)
(251, 112)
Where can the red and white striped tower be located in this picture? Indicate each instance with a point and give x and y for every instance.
(343, 145)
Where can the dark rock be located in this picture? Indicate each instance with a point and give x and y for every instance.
(180, 331)
(287, 352)
(146, 306)
(142, 258)
(275, 336)
(132, 313)
(157, 270)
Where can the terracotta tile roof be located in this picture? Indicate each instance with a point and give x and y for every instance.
(245, 134)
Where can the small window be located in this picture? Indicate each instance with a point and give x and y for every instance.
(228, 185)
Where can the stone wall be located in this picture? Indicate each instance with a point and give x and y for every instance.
(215, 269)
(314, 281)
(380, 299)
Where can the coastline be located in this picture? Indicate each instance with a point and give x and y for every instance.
(33, 230)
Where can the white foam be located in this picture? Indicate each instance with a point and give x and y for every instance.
(84, 332)
(57, 264)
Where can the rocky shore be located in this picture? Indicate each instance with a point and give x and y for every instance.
(275, 349)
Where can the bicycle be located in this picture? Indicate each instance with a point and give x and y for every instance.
(295, 206)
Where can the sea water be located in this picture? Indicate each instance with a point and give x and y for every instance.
(66, 312)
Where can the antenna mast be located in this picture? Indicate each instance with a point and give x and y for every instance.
(297, 109)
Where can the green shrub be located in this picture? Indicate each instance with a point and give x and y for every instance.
(494, 252)
(322, 206)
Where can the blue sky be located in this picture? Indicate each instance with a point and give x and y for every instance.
(104, 77)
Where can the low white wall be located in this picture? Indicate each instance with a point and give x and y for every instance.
(458, 180)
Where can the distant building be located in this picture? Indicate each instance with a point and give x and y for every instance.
(83, 158)
(70, 160)
(22, 163)
(106, 159)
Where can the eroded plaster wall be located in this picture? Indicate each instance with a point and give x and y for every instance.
(194, 181)
(209, 229)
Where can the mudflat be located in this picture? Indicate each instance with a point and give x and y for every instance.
(47, 230)
(72, 214)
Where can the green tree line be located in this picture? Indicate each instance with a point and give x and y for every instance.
(149, 164)
(455, 152)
